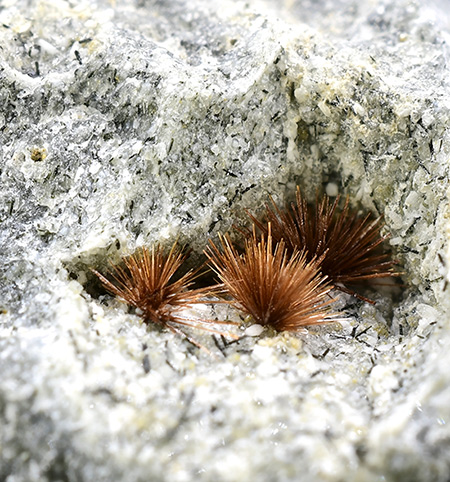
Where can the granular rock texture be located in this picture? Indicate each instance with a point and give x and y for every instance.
(132, 122)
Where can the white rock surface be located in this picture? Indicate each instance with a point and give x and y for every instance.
(129, 122)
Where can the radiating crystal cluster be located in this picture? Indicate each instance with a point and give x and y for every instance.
(125, 123)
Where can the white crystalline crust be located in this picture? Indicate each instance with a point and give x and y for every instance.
(123, 123)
